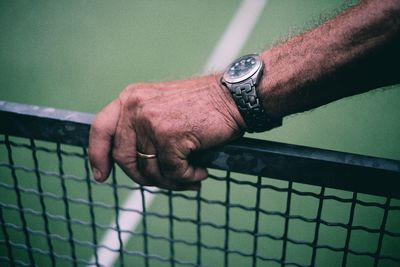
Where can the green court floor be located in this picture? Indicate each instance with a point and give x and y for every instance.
(79, 55)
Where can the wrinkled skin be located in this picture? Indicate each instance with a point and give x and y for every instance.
(170, 120)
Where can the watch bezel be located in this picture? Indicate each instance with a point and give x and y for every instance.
(227, 78)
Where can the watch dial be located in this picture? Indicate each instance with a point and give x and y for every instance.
(242, 67)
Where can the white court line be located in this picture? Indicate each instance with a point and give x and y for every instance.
(227, 48)
(127, 222)
(236, 35)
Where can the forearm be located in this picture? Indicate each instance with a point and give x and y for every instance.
(355, 52)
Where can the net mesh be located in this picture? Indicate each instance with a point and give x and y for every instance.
(52, 212)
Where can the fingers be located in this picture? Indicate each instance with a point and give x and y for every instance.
(124, 149)
(112, 134)
(101, 135)
(150, 170)
(179, 170)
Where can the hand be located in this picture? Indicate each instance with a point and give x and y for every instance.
(170, 120)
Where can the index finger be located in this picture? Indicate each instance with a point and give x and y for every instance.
(101, 136)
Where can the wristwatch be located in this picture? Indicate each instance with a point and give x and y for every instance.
(242, 78)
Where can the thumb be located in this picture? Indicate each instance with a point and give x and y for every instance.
(101, 136)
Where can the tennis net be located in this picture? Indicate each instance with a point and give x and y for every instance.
(264, 204)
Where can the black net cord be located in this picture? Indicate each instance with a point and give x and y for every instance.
(42, 202)
(6, 236)
(317, 226)
(91, 209)
(382, 232)
(286, 227)
(349, 224)
(198, 227)
(256, 221)
(144, 223)
(66, 205)
(19, 202)
(116, 203)
(171, 229)
(227, 217)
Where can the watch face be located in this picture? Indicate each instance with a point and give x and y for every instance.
(242, 68)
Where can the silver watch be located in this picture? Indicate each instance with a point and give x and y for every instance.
(242, 78)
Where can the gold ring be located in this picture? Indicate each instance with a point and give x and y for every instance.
(146, 156)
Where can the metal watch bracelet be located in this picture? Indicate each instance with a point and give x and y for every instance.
(250, 107)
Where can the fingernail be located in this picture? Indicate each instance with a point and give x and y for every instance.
(97, 174)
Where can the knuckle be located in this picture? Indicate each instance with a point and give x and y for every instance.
(133, 87)
(187, 174)
(133, 94)
(96, 126)
(135, 100)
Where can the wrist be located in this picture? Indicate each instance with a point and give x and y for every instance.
(223, 101)
(242, 80)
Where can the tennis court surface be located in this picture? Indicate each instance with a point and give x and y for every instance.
(265, 203)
